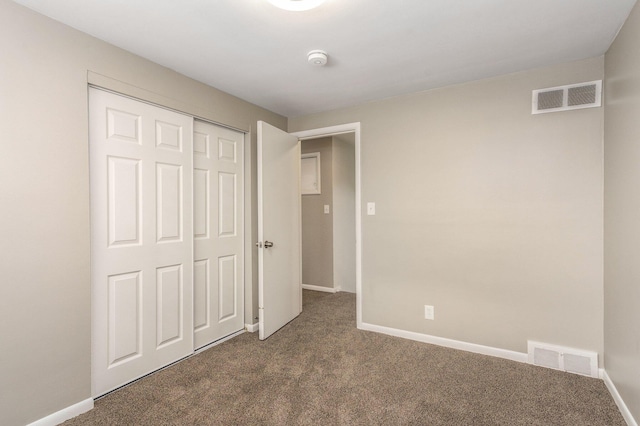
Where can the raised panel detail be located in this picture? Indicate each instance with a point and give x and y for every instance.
(201, 144)
(226, 150)
(124, 317)
(201, 308)
(123, 126)
(168, 136)
(168, 202)
(227, 204)
(169, 304)
(227, 287)
(123, 201)
(201, 205)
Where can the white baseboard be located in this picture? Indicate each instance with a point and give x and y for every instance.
(319, 288)
(252, 328)
(449, 343)
(624, 410)
(65, 414)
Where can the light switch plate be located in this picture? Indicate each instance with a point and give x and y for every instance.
(429, 312)
(371, 208)
(326, 209)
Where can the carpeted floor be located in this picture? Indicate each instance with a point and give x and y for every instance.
(321, 370)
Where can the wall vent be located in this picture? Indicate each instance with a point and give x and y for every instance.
(565, 98)
(564, 359)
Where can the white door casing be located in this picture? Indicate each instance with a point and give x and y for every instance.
(279, 272)
(141, 238)
(218, 189)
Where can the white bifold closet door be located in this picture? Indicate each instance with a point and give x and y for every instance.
(141, 161)
(218, 274)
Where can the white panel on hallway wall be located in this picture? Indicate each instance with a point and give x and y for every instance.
(310, 175)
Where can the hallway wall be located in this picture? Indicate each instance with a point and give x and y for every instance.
(344, 212)
(317, 227)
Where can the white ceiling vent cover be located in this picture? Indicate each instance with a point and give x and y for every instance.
(564, 359)
(565, 98)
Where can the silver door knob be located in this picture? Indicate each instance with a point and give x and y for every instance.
(268, 244)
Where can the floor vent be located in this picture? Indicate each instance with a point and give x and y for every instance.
(565, 98)
(564, 359)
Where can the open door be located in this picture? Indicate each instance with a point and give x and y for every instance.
(279, 243)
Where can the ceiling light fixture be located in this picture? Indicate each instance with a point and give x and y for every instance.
(296, 5)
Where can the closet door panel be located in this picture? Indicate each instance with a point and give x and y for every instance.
(141, 170)
(219, 234)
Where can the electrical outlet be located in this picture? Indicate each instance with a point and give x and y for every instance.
(429, 312)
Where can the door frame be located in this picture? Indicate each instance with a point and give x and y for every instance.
(334, 131)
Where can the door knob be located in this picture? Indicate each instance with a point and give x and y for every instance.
(268, 244)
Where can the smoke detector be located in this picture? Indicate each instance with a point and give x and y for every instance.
(317, 58)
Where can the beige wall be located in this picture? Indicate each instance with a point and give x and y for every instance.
(44, 190)
(483, 210)
(622, 221)
(487, 212)
(344, 212)
(317, 227)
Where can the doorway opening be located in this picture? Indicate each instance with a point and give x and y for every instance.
(331, 211)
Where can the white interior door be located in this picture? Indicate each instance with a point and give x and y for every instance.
(218, 271)
(141, 238)
(279, 290)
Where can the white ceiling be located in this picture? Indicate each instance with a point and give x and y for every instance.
(377, 48)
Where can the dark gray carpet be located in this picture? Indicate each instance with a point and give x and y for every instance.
(321, 370)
